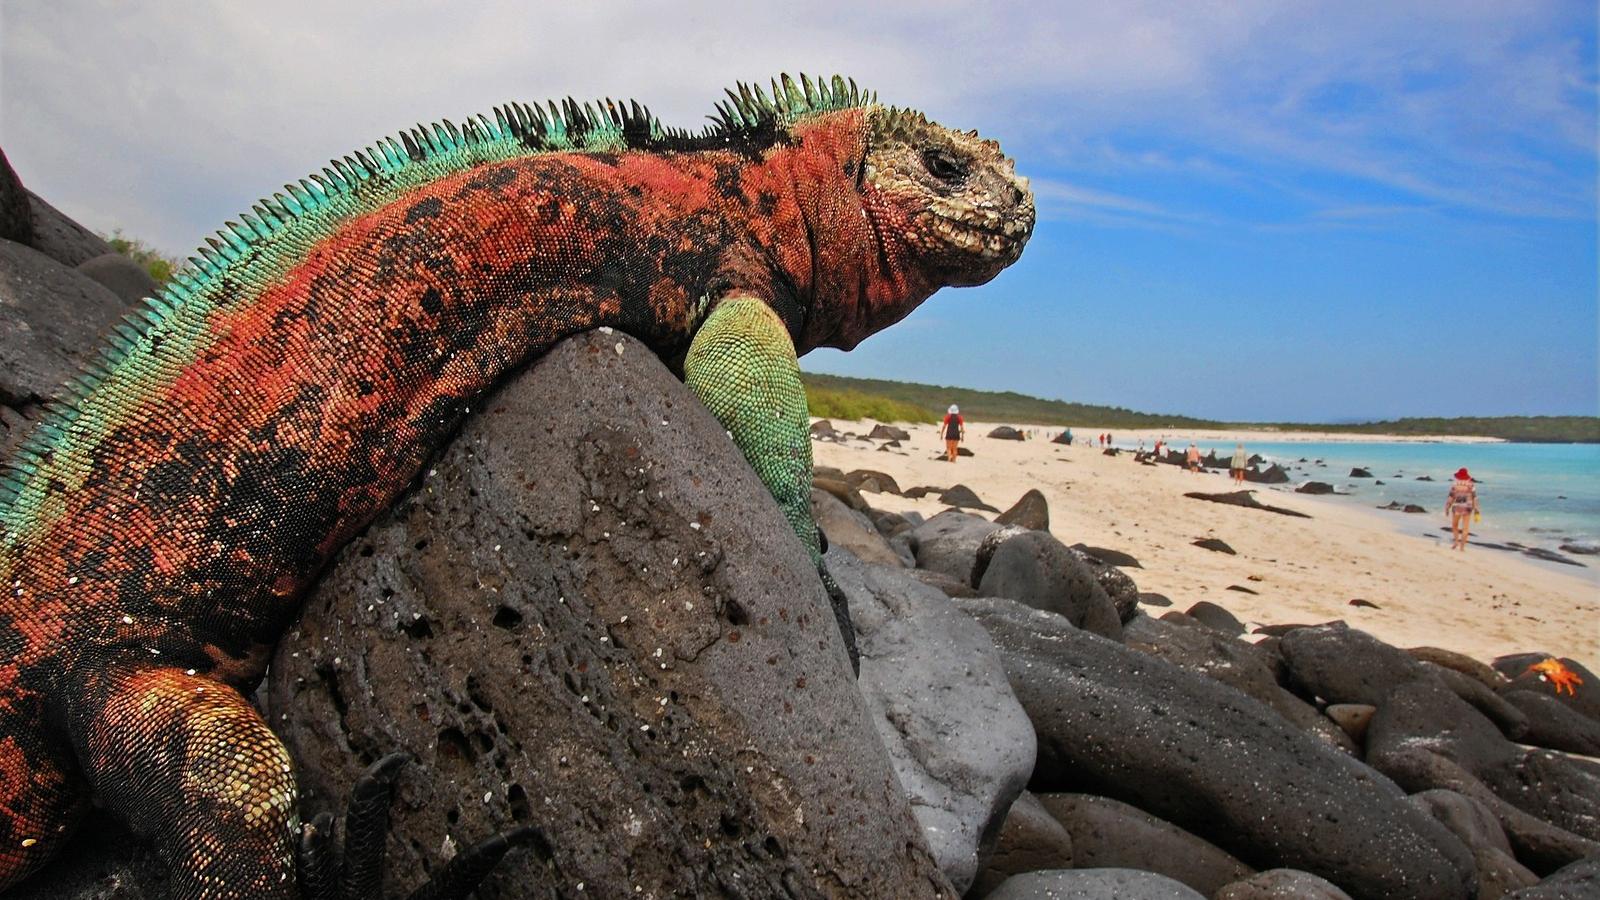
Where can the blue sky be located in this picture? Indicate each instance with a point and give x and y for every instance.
(1249, 211)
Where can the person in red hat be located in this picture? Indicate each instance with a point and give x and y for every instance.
(1461, 506)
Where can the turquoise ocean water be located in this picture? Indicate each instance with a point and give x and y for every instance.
(1541, 495)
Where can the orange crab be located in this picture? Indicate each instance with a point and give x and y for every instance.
(1552, 670)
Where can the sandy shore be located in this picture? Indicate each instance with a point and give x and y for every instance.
(1484, 603)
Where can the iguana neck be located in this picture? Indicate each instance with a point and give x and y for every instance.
(859, 271)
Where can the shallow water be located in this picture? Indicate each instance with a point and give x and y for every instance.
(1542, 495)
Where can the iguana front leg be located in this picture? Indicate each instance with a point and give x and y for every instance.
(188, 762)
(743, 367)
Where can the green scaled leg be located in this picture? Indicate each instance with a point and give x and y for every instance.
(742, 366)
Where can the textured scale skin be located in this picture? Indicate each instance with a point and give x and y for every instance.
(159, 533)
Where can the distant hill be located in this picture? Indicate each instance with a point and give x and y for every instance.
(841, 397)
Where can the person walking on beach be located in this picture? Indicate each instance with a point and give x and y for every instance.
(1461, 505)
(1191, 458)
(954, 431)
(1239, 462)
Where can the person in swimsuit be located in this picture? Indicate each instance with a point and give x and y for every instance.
(954, 430)
(1461, 505)
(1240, 461)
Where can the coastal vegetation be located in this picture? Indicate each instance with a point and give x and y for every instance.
(842, 397)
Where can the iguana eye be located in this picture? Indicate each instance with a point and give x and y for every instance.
(942, 165)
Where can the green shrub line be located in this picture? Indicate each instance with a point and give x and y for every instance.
(844, 397)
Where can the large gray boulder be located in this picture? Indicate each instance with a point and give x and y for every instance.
(1036, 569)
(1109, 834)
(949, 541)
(587, 622)
(1202, 755)
(961, 744)
(58, 237)
(1093, 884)
(51, 318)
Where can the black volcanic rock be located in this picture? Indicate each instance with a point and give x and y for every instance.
(1030, 511)
(963, 497)
(1108, 833)
(1535, 672)
(1216, 545)
(1030, 840)
(16, 211)
(1314, 487)
(1037, 570)
(605, 628)
(1245, 499)
(1273, 474)
(1360, 473)
(1211, 760)
(882, 432)
(948, 543)
(1553, 724)
(1006, 433)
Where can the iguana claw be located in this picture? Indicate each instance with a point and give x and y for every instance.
(359, 874)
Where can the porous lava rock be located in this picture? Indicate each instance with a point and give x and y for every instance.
(962, 746)
(600, 626)
(1006, 433)
(881, 432)
(1314, 487)
(1209, 759)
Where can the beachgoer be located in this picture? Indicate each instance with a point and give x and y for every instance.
(1191, 457)
(1068, 437)
(954, 431)
(1239, 462)
(1461, 505)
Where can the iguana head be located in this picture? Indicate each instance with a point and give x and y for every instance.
(938, 208)
(962, 212)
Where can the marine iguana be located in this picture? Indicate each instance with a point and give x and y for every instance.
(159, 527)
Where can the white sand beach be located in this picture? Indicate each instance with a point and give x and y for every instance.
(1483, 602)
